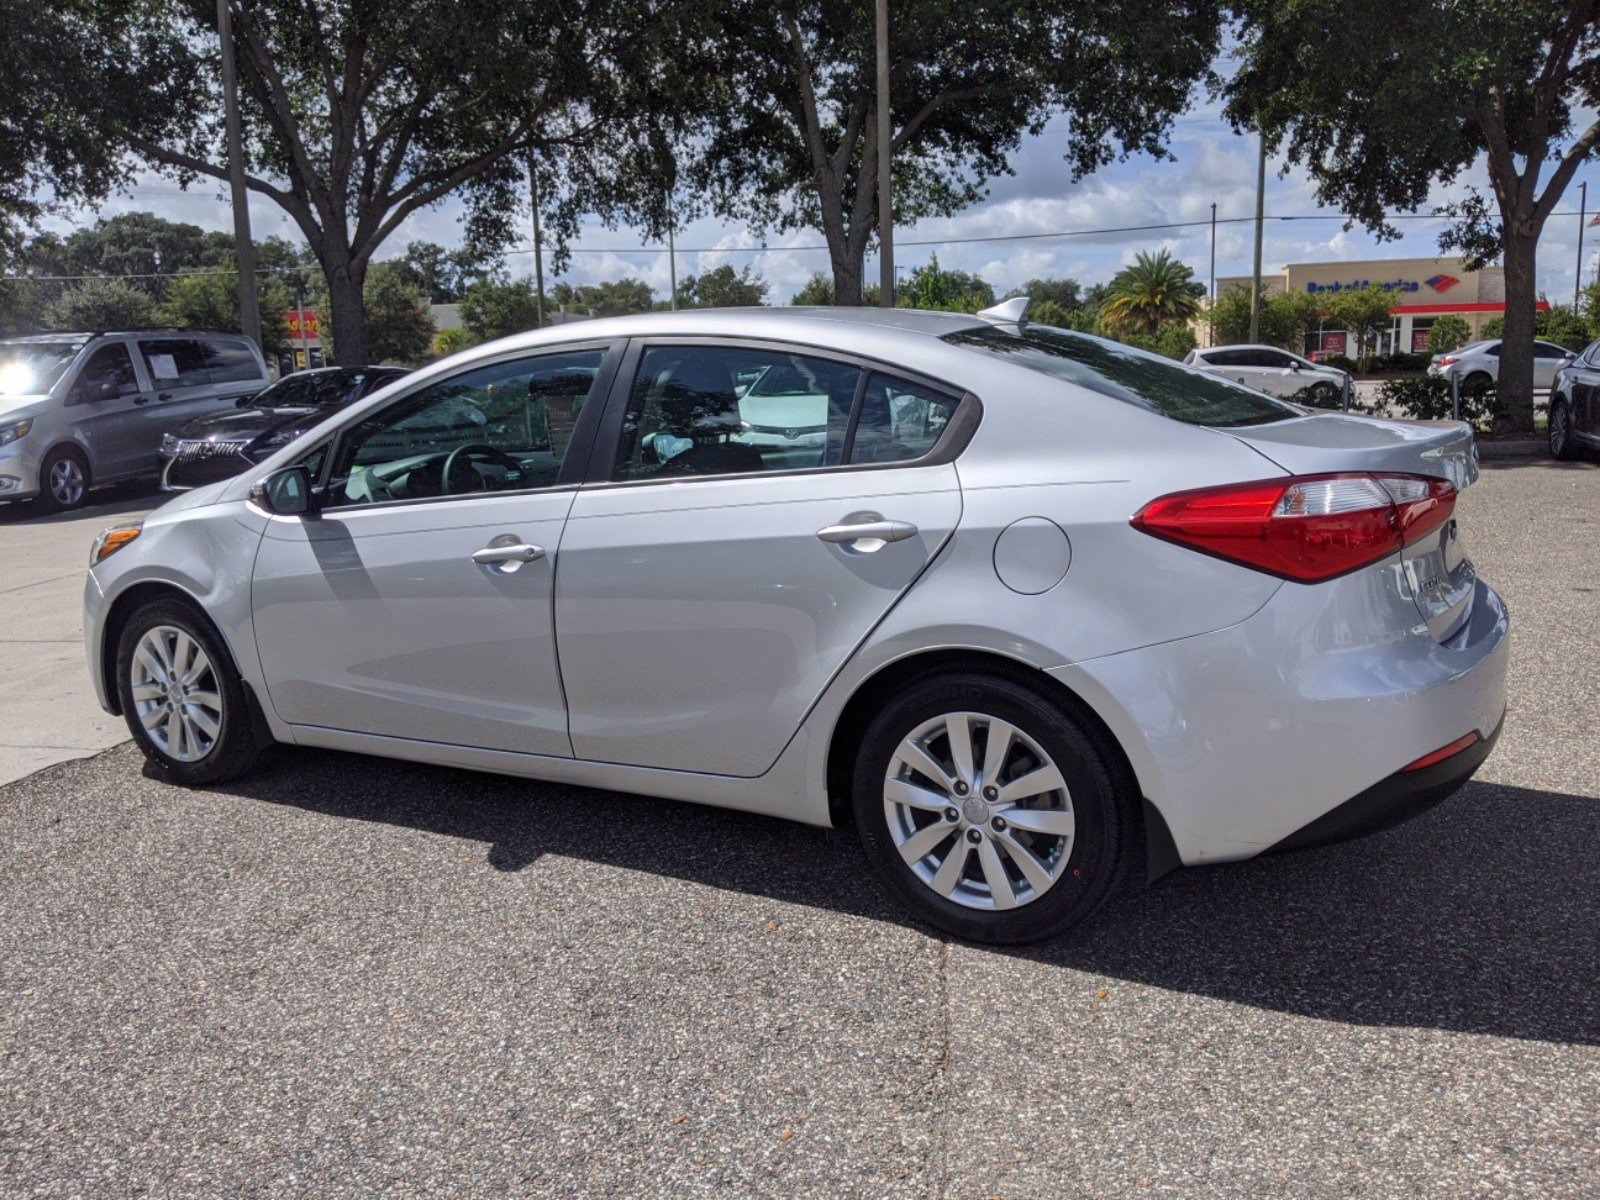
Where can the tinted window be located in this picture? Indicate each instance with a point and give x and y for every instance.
(1273, 359)
(899, 421)
(231, 362)
(292, 391)
(1148, 381)
(175, 362)
(108, 373)
(504, 427)
(1592, 354)
(1547, 350)
(720, 410)
(1226, 358)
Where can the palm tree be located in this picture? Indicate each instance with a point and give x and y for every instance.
(1154, 291)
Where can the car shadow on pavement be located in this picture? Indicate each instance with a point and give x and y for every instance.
(1482, 916)
(139, 496)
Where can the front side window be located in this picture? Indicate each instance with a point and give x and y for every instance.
(1547, 350)
(504, 427)
(1592, 354)
(731, 410)
(108, 374)
(1135, 377)
(175, 362)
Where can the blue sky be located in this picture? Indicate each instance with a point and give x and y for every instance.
(1209, 164)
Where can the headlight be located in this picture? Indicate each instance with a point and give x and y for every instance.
(15, 431)
(114, 539)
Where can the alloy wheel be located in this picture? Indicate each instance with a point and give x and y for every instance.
(66, 482)
(176, 693)
(978, 811)
(1558, 429)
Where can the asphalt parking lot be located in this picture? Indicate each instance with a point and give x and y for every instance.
(355, 977)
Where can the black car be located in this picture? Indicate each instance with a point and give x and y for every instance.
(220, 446)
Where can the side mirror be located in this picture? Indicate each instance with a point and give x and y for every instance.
(1294, 365)
(286, 493)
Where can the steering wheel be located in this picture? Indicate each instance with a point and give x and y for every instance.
(464, 454)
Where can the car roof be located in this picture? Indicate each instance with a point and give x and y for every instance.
(1248, 346)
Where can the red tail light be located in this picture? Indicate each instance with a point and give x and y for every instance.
(1444, 752)
(1306, 528)
(1445, 362)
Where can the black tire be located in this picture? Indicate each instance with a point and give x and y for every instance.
(48, 500)
(1560, 431)
(234, 749)
(1104, 822)
(1476, 383)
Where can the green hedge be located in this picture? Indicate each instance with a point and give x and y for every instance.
(1427, 398)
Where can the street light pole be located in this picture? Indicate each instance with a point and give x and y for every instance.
(538, 241)
(1261, 208)
(244, 250)
(885, 191)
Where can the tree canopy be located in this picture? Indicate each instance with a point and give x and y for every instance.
(784, 97)
(360, 113)
(723, 287)
(1380, 102)
(1154, 290)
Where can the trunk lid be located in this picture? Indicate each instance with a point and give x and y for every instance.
(1435, 569)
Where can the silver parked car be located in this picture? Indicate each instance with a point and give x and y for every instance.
(1275, 371)
(81, 409)
(1034, 599)
(1477, 365)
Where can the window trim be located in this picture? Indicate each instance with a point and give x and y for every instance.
(603, 451)
(581, 445)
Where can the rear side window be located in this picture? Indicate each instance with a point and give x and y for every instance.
(1135, 377)
(175, 362)
(899, 421)
(231, 362)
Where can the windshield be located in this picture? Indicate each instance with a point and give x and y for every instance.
(1135, 377)
(28, 368)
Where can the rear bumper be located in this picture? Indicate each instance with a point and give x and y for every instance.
(1252, 738)
(1394, 800)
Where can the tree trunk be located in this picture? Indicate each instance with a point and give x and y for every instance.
(847, 272)
(346, 309)
(1516, 347)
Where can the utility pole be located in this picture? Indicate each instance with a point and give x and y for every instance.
(672, 259)
(1261, 209)
(244, 250)
(1211, 313)
(1583, 215)
(538, 241)
(885, 191)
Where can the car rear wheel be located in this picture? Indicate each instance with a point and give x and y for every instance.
(181, 696)
(1560, 431)
(63, 480)
(1324, 395)
(989, 808)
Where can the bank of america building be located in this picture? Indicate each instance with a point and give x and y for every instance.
(1424, 289)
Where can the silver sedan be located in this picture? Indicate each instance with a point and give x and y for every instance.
(1022, 605)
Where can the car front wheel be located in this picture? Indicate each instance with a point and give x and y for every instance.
(181, 696)
(989, 808)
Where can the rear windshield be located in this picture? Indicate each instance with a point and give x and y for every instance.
(1135, 377)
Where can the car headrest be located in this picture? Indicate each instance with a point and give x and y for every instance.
(699, 400)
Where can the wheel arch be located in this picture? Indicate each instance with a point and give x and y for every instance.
(850, 725)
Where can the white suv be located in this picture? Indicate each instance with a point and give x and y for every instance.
(1275, 372)
(1478, 364)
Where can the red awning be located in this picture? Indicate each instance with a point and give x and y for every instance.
(1429, 310)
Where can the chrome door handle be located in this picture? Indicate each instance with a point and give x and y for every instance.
(883, 531)
(517, 552)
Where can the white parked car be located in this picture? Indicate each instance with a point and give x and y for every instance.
(1478, 363)
(1029, 599)
(1275, 372)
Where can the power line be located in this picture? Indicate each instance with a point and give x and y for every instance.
(764, 249)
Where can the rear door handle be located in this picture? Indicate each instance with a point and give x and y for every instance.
(164, 396)
(517, 552)
(882, 531)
